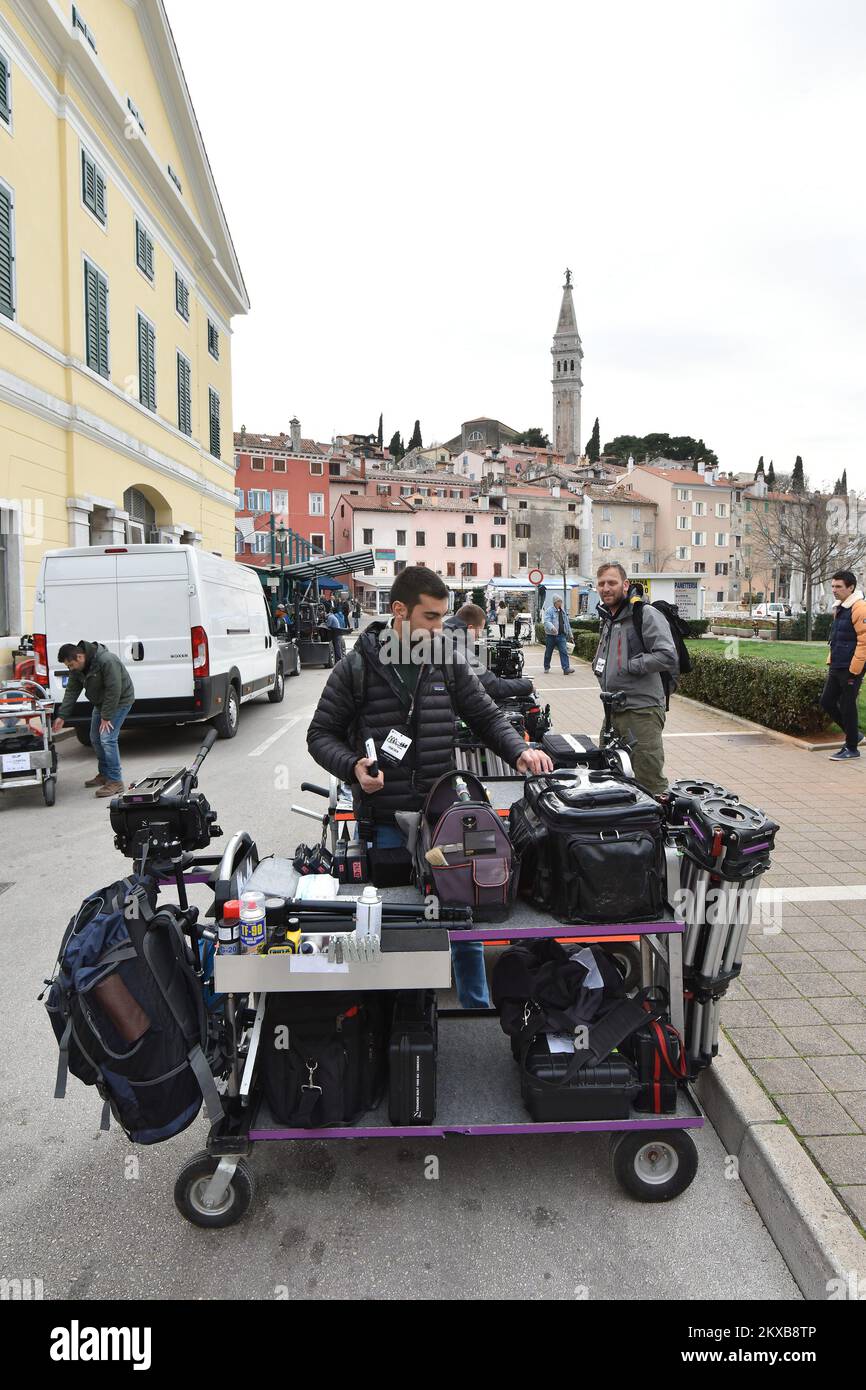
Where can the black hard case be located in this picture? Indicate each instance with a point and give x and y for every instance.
(605, 1091)
(412, 1050)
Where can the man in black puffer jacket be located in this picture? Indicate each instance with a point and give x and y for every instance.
(380, 690)
(469, 623)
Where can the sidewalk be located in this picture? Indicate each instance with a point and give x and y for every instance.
(797, 1014)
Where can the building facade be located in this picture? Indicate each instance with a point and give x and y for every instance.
(696, 527)
(615, 529)
(118, 284)
(284, 475)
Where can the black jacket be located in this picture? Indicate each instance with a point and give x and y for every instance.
(497, 687)
(338, 728)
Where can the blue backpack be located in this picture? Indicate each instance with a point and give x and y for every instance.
(128, 1012)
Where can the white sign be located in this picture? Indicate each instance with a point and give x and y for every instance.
(16, 762)
(686, 597)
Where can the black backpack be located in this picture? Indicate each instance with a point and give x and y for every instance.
(128, 1012)
(679, 632)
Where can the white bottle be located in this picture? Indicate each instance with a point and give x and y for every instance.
(252, 921)
(368, 913)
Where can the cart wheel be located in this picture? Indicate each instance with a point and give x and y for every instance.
(626, 957)
(49, 789)
(189, 1192)
(654, 1167)
(83, 735)
(279, 688)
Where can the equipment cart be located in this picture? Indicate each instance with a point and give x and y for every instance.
(652, 1156)
(28, 757)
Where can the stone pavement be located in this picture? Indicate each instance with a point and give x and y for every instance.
(797, 1014)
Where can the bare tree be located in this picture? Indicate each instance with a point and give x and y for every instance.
(801, 535)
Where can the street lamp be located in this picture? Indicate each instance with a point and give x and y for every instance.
(282, 536)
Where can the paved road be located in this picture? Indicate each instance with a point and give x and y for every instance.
(93, 1217)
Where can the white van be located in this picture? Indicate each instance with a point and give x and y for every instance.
(193, 630)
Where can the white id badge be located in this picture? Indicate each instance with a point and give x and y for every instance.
(396, 745)
(599, 666)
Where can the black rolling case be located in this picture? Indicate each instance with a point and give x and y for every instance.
(591, 848)
(605, 1091)
(412, 1049)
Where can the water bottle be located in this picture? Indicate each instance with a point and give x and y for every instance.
(252, 921)
(368, 913)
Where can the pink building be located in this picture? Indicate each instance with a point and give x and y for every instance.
(465, 543)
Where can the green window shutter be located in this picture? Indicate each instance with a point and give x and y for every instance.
(213, 340)
(5, 106)
(93, 187)
(96, 320)
(149, 256)
(181, 296)
(7, 260)
(143, 251)
(214, 417)
(102, 323)
(184, 395)
(146, 365)
(101, 209)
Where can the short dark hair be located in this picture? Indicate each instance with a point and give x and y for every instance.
(611, 565)
(69, 651)
(848, 577)
(471, 615)
(414, 581)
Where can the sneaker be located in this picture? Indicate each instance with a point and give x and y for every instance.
(569, 672)
(97, 781)
(115, 788)
(841, 757)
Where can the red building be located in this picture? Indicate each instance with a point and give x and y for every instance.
(288, 476)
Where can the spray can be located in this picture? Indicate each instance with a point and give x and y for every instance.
(368, 913)
(229, 929)
(252, 921)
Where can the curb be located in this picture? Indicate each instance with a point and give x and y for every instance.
(812, 1231)
(795, 740)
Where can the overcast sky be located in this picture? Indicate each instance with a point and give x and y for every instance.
(406, 184)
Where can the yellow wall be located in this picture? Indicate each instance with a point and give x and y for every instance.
(45, 459)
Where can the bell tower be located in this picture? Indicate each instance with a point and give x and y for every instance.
(567, 355)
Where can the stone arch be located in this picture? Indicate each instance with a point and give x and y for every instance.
(148, 506)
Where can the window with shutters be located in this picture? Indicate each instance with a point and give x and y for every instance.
(257, 464)
(213, 411)
(571, 533)
(184, 394)
(93, 188)
(260, 500)
(497, 542)
(181, 296)
(499, 520)
(240, 500)
(5, 91)
(635, 541)
(7, 252)
(420, 537)
(470, 540)
(213, 340)
(523, 532)
(401, 538)
(281, 499)
(143, 250)
(96, 319)
(605, 540)
(78, 23)
(317, 504)
(280, 466)
(522, 559)
(699, 538)
(317, 468)
(469, 569)
(146, 363)
(450, 538)
(450, 569)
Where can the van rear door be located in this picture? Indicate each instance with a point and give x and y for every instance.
(153, 610)
(80, 597)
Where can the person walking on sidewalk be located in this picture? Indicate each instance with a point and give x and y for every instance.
(626, 661)
(356, 615)
(846, 660)
(107, 685)
(502, 618)
(556, 634)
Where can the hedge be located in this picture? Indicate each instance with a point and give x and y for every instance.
(780, 694)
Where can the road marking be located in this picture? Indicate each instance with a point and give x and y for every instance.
(723, 733)
(263, 747)
(548, 689)
(826, 893)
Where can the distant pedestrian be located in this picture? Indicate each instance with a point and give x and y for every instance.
(556, 634)
(502, 618)
(846, 660)
(107, 685)
(356, 615)
(335, 632)
(345, 610)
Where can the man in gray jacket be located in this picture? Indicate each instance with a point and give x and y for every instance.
(625, 662)
(107, 685)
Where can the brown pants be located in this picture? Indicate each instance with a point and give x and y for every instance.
(648, 755)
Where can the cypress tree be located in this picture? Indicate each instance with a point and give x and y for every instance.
(379, 431)
(798, 482)
(593, 448)
(415, 441)
(395, 448)
(843, 483)
(771, 476)
(760, 467)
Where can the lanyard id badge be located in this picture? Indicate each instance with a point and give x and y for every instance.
(395, 747)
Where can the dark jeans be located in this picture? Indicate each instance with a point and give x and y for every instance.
(552, 641)
(105, 745)
(839, 699)
(338, 644)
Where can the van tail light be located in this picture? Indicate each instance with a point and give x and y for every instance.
(40, 650)
(200, 659)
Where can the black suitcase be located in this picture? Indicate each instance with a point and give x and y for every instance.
(594, 848)
(322, 1057)
(605, 1091)
(412, 1050)
(568, 750)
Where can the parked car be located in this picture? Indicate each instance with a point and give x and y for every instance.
(194, 630)
(771, 610)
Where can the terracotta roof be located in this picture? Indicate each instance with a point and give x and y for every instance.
(394, 504)
(617, 497)
(683, 476)
(275, 444)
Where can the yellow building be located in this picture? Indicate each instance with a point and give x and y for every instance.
(118, 283)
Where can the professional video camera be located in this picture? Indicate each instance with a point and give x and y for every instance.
(162, 815)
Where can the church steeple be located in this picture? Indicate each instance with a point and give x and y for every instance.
(567, 354)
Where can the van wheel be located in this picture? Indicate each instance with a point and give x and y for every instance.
(83, 735)
(226, 724)
(279, 688)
